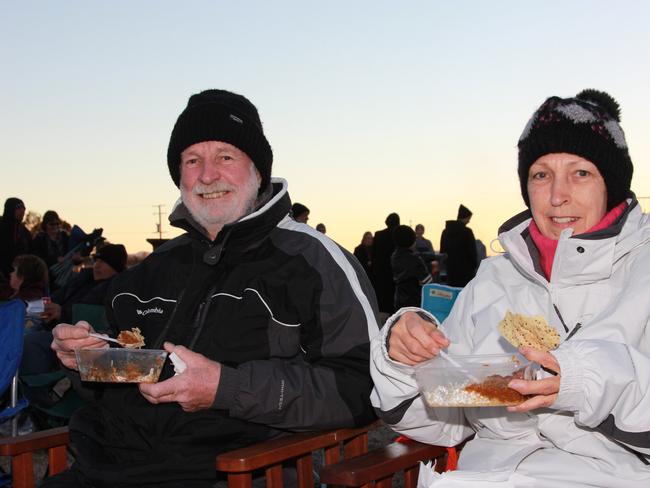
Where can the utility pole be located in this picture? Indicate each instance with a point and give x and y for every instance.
(159, 224)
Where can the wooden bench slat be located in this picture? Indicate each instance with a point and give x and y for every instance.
(380, 463)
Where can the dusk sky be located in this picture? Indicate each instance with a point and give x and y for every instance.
(370, 106)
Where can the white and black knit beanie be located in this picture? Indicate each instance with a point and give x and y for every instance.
(587, 126)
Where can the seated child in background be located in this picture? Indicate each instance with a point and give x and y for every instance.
(409, 271)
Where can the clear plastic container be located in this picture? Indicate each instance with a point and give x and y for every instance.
(473, 381)
(116, 365)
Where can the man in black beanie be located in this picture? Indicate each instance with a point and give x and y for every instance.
(458, 243)
(267, 321)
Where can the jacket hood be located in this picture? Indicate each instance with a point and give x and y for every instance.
(454, 224)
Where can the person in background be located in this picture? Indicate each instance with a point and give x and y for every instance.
(363, 252)
(321, 228)
(29, 283)
(272, 321)
(457, 242)
(481, 252)
(89, 287)
(383, 246)
(300, 213)
(423, 246)
(27, 280)
(579, 258)
(15, 239)
(410, 272)
(51, 243)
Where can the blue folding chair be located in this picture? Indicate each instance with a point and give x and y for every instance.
(12, 320)
(439, 299)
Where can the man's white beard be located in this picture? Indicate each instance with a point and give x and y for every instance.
(213, 221)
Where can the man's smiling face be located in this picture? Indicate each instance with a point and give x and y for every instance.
(219, 184)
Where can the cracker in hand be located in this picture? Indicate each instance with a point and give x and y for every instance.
(535, 332)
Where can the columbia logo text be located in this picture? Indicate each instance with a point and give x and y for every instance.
(149, 310)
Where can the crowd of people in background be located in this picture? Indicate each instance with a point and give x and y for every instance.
(51, 268)
(399, 260)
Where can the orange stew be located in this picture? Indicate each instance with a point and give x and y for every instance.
(496, 388)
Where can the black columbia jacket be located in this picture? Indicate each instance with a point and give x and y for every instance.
(287, 312)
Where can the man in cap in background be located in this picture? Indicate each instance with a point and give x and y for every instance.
(457, 242)
(271, 319)
(89, 286)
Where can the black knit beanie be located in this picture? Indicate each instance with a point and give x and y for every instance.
(220, 115)
(114, 255)
(404, 236)
(587, 126)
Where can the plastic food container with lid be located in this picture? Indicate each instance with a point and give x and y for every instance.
(473, 381)
(115, 365)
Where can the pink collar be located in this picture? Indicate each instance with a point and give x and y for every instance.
(547, 246)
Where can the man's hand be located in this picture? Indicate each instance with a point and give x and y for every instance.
(194, 389)
(68, 337)
(413, 340)
(545, 391)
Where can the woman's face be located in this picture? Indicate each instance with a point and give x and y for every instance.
(566, 190)
(367, 239)
(53, 229)
(15, 281)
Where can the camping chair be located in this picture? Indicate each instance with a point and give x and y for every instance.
(95, 315)
(239, 465)
(63, 400)
(12, 319)
(439, 299)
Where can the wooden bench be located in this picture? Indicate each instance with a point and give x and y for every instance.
(379, 467)
(239, 465)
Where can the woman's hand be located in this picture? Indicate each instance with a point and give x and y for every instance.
(544, 391)
(413, 340)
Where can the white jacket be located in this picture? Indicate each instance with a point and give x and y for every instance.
(598, 431)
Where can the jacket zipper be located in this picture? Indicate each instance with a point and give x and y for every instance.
(201, 315)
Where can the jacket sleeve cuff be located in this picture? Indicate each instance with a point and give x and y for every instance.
(227, 389)
(571, 394)
(392, 320)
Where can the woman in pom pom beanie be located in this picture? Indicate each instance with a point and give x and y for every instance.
(579, 257)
